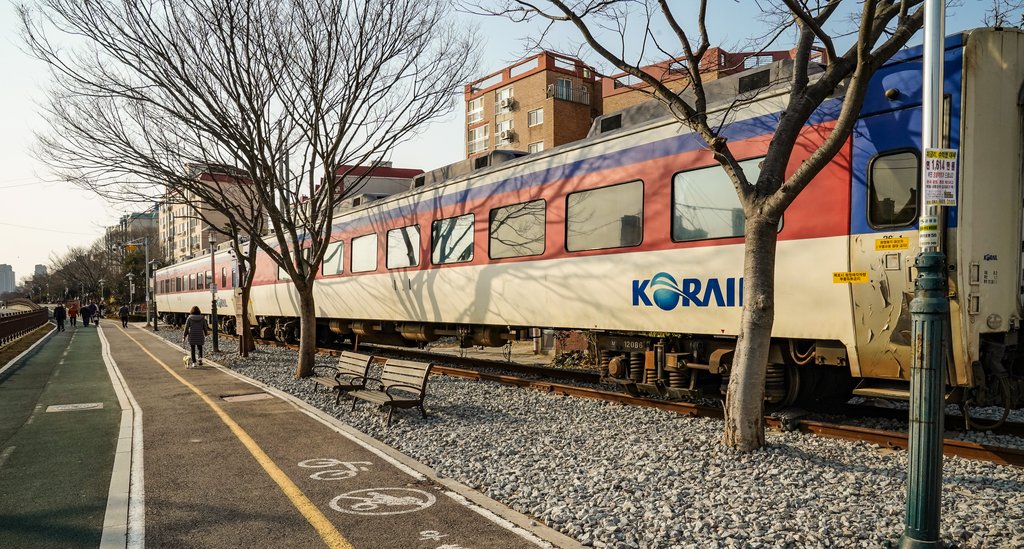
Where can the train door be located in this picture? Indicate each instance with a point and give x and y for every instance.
(883, 239)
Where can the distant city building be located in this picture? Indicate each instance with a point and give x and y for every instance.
(6, 278)
(40, 270)
(536, 104)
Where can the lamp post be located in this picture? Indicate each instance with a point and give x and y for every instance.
(131, 286)
(101, 291)
(151, 266)
(213, 290)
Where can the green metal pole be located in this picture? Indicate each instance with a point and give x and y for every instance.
(929, 311)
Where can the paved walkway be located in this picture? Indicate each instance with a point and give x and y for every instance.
(226, 463)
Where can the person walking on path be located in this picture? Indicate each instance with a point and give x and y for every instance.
(97, 312)
(86, 313)
(59, 314)
(195, 334)
(73, 314)
(123, 313)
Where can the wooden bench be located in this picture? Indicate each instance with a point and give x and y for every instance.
(402, 384)
(349, 374)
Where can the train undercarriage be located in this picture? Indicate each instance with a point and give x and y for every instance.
(802, 373)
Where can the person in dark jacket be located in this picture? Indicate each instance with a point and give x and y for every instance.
(86, 315)
(59, 314)
(97, 312)
(123, 313)
(195, 334)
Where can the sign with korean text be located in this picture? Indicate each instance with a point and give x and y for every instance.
(857, 277)
(892, 244)
(940, 177)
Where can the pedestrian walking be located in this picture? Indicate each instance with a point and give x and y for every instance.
(73, 314)
(97, 312)
(86, 314)
(195, 335)
(59, 314)
(123, 313)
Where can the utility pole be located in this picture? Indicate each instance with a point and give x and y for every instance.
(929, 308)
(213, 289)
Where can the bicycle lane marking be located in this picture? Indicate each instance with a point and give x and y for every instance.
(324, 527)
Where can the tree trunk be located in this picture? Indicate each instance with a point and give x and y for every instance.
(744, 403)
(307, 332)
(246, 342)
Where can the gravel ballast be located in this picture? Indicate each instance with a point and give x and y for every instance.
(619, 476)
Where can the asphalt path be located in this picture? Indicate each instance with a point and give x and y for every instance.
(228, 464)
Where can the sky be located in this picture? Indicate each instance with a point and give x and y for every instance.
(40, 219)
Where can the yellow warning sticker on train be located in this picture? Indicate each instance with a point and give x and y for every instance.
(849, 278)
(890, 244)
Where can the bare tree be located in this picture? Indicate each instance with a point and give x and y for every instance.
(286, 92)
(882, 27)
(1004, 13)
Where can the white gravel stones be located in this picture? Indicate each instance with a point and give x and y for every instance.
(618, 476)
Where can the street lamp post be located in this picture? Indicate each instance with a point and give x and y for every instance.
(101, 291)
(213, 290)
(151, 266)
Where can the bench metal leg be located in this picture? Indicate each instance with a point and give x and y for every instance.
(423, 412)
(354, 401)
(337, 398)
(390, 409)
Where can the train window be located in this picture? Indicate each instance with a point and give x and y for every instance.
(223, 277)
(517, 230)
(451, 240)
(282, 274)
(403, 247)
(200, 281)
(892, 189)
(192, 282)
(364, 253)
(705, 204)
(332, 264)
(609, 217)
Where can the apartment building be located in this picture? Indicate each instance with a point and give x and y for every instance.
(624, 90)
(540, 102)
(362, 184)
(184, 222)
(7, 283)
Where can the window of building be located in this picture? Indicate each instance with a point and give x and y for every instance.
(364, 253)
(503, 100)
(705, 205)
(517, 230)
(503, 132)
(478, 139)
(563, 89)
(451, 240)
(333, 264)
(609, 217)
(475, 110)
(403, 247)
(535, 117)
(535, 147)
(893, 189)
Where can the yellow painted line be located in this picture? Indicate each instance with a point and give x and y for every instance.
(331, 536)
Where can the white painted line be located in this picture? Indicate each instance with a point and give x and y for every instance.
(464, 495)
(75, 407)
(5, 455)
(34, 345)
(124, 523)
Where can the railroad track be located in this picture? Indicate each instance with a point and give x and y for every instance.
(885, 438)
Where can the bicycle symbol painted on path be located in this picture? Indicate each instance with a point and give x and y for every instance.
(348, 469)
(382, 501)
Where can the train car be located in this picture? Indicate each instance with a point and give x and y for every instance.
(636, 235)
(187, 284)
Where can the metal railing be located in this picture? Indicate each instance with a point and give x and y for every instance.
(578, 94)
(15, 325)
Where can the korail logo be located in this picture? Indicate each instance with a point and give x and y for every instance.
(663, 290)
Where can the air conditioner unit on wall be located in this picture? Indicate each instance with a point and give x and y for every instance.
(506, 135)
(507, 103)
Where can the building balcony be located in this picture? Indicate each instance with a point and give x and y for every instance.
(579, 94)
